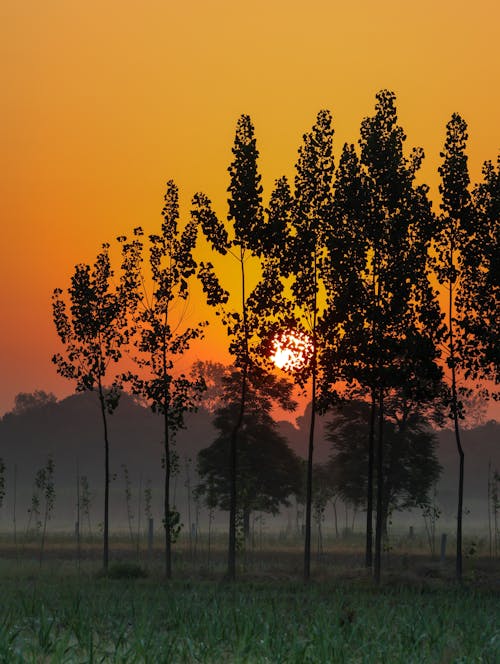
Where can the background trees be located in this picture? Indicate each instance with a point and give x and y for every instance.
(91, 325)
(410, 466)
(268, 472)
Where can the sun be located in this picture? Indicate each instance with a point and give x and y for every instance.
(291, 350)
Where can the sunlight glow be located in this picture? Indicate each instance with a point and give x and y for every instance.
(292, 350)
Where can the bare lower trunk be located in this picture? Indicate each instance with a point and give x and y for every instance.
(454, 408)
(369, 490)
(307, 540)
(105, 554)
(380, 488)
(166, 499)
(233, 506)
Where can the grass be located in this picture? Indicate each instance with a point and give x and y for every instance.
(418, 616)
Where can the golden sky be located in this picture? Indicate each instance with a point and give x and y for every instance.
(103, 101)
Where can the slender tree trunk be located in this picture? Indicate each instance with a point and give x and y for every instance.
(335, 518)
(489, 509)
(14, 516)
(454, 408)
(246, 523)
(139, 506)
(233, 461)
(105, 554)
(166, 498)
(78, 538)
(380, 487)
(307, 540)
(369, 492)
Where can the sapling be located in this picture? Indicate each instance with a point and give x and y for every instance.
(14, 506)
(431, 514)
(148, 510)
(2, 482)
(128, 500)
(139, 498)
(46, 484)
(34, 510)
(86, 501)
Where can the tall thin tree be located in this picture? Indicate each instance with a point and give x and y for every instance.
(159, 332)
(241, 242)
(92, 327)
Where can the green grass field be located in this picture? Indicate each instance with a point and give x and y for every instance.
(62, 613)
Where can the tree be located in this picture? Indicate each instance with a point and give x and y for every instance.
(160, 335)
(93, 332)
(450, 241)
(349, 287)
(389, 342)
(468, 268)
(294, 237)
(246, 218)
(478, 297)
(268, 471)
(25, 401)
(410, 465)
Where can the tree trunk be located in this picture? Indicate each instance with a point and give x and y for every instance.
(380, 487)
(307, 541)
(246, 524)
(231, 554)
(454, 408)
(105, 555)
(369, 491)
(166, 499)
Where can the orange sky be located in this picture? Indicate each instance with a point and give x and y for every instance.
(103, 101)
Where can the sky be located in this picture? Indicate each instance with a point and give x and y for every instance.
(103, 101)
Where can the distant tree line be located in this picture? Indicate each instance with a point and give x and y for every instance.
(397, 298)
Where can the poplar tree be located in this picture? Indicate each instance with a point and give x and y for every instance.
(240, 241)
(293, 242)
(395, 330)
(468, 269)
(160, 335)
(91, 325)
(348, 288)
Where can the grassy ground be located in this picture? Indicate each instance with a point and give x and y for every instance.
(62, 613)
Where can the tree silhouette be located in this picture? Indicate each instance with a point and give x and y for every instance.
(268, 470)
(160, 335)
(398, 340)
(349, 286)
(294, 239)
(410, 467)
(246, 218)
(93, 332)
(479, 294)
(468, 268)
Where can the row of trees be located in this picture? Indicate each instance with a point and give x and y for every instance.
(347, 258)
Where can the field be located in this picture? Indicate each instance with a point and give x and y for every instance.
(63, 611)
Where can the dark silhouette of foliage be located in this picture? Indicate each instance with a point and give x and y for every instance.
(293, 243)
(410, 466)
(93, 333)
(159, 333)
(479, 295)
(388, 341)
(268, 471)
(25, 401)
